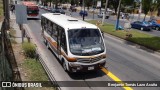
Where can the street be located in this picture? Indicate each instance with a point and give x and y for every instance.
(124, 60)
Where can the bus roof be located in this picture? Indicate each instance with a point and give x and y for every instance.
(28, 3)
(68, 22)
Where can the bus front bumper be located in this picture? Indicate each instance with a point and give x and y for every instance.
(85, 68)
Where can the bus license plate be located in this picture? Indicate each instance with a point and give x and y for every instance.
(91, 68)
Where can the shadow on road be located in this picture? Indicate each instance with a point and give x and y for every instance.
(86, 75)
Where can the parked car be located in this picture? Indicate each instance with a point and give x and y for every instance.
(58, 11)
(155, 25)
(49, 8)
(100, 15)
(45, 7)
(141, 25)
(85, 13)
(41, 6)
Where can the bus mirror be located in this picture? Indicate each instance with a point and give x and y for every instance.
(102, 33)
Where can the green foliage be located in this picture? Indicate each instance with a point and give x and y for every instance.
(35, 70)
(146, 5)
(12, 36)
(127, 2)
(114, 4)
(29, 49)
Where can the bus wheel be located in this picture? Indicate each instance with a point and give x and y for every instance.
(64, 66)
(47, 44)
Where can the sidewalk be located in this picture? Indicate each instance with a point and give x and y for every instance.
(14, 25)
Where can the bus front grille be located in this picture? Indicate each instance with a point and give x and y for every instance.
(89, 60)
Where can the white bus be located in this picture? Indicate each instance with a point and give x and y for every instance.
(78, 45)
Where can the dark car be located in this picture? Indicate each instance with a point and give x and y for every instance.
(146, 26)
(58, 11)
(85, 13)
(155, 25)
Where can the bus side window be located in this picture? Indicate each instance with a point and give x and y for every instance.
(50, 28)
(42, 24)
(63, 40)
(45, 24)
(54, 31)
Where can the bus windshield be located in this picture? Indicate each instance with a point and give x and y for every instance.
(85, 42)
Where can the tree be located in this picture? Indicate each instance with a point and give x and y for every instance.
(146, 5)
(114, 3)
(128, 5)
(88, 3)
(154, 6)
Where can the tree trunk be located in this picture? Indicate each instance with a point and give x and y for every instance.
(151, 16)
(144, 17)
(56, 4)
(50, 3)
(115, 12)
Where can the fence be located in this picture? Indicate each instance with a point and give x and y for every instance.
(8, 66)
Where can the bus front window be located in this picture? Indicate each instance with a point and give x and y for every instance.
(85, 42)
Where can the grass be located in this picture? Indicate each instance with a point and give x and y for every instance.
(29, 49)
(12, 36)
(35, 70)
(147, 40)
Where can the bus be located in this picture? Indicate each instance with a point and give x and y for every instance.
(78, 45)
(32, 9)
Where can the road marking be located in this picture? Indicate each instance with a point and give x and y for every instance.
(115, 78)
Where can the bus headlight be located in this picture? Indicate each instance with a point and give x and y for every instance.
(74, 64)
(103, 56)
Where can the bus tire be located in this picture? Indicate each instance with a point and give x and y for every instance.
(47, 44)
(64, 65)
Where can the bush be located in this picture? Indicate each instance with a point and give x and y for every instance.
(29, 49)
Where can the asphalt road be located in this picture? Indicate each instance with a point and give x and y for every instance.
(125, 61)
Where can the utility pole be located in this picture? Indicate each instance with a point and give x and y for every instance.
(6, 13)
(104, 14)
(117, 21)
(140, 10)
(83, 10)
(93, 7)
